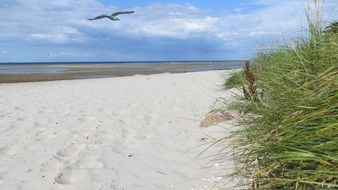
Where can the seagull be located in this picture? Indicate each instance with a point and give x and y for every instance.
(112, 16)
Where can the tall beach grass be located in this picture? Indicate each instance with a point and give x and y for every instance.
(290, 140)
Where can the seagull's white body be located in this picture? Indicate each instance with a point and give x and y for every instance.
(112, 16)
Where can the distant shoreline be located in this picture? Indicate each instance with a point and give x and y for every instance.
(113, 62)
(50, 72)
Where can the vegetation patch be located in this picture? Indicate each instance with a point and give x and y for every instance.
(291, 140)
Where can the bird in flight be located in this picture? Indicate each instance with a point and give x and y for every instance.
(112, 16)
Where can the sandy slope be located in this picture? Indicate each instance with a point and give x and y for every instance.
(115, 133)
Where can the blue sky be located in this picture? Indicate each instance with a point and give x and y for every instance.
(39, 30)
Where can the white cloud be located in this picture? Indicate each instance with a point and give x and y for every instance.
(67, 54)
(44, 20)
(165, 20)
(175, 27)
(258, 33)
(239, 9)
(60, 35)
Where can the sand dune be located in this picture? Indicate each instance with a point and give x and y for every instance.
(126, 133)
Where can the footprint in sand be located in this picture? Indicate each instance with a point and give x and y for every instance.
(86, 162)
(70, 151)
(4, 150)
(9, 150)
(40, 133)
(110, 186)
(36, 124)
(1, 180)
(69, 176)
(51, 165)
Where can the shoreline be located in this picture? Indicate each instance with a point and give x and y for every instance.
(33, 73)
(8, 79)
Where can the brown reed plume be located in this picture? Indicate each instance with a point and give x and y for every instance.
(249, 88)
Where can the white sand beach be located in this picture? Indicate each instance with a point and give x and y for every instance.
(128, 133)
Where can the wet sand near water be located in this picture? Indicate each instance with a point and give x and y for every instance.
(32, 73)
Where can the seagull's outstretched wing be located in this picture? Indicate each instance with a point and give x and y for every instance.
(122, 12)
(99, 17)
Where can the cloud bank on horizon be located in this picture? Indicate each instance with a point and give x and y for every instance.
(37, 30)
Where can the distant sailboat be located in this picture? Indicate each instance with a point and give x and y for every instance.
(112, 16)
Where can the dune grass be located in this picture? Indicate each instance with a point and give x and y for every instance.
(291, 140)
